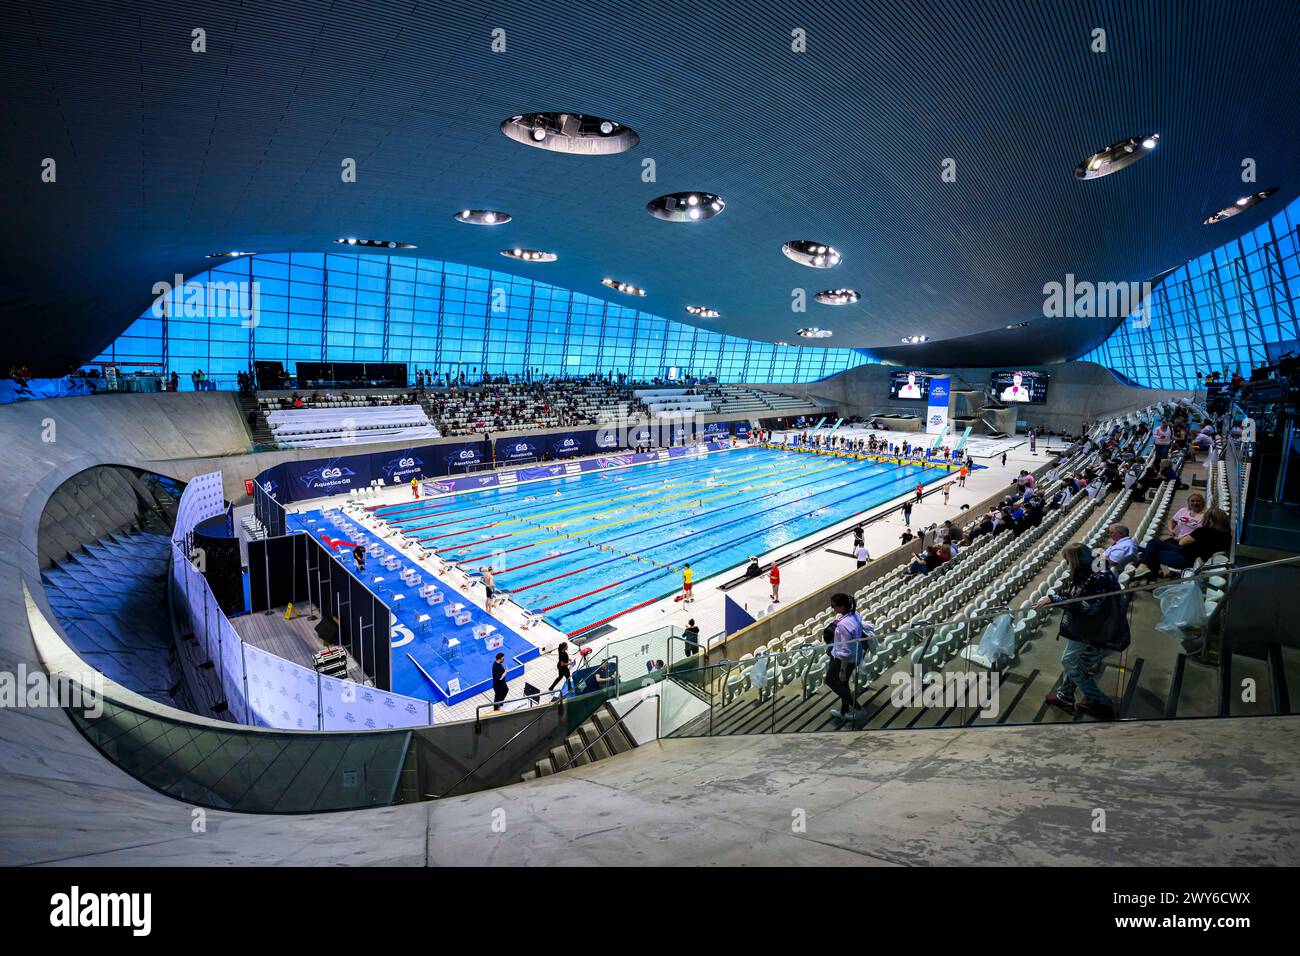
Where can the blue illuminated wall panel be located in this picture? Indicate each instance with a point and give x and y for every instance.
(433, 315)
(1216, 313)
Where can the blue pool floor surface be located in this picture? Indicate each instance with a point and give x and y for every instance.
(581, 550)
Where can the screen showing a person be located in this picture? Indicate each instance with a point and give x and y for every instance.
(1020, 386)
(913, 386)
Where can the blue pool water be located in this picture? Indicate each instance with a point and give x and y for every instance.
(585, 548)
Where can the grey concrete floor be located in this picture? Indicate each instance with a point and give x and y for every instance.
(1173, 793)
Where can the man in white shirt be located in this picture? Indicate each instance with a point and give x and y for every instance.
(911, 389)
(1122, 548)
(1017, 392)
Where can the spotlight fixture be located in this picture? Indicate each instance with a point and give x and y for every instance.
(815, 255)
(529, 255)
(780, 343)
(374, 243)
(570, 133)
(816, 333)
(915, 339)
(837, 297)
(625, 287)
(226, 255)
(1241, 205)
(702, 312)
(1116, 156)
(1017, 325)
(686, 207)
(483, 217)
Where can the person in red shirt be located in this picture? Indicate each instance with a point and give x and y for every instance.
(774, 578)
(920, 490)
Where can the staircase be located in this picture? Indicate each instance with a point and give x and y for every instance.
(587, 737)
(259, 431)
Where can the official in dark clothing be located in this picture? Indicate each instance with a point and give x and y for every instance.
(692, 637)
(499, 686)
(562, 667)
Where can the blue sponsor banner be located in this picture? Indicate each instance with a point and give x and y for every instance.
(397, 468)
(272, 482)
(936, 420)
(717, 429)
(571, 444)
(740, 429)
(460, 457)
(511, 450)
(332, 476)
(542, 471)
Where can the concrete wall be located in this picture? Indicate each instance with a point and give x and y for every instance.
(1079, 392)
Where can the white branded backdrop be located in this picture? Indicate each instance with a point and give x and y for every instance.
(262, 689)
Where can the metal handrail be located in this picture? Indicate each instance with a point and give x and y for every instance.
(976, 620)
(618, 721)
(558, 697)
(528, 726)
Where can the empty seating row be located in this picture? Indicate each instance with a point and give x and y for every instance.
(317, 427)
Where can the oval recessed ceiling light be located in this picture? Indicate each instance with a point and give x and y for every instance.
(226, 255)
(625, 287)
(686, 207)
(1116, 156)
(1017, 325)
(1241, 205)
(815, 255)
(483, 217)
(703, 312)
(816, 333)
(570, 133)
(374, 243)
(837, 297)
(915, 339)
(529, 255)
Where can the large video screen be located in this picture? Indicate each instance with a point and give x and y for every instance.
(909, 386)
(1029, 388)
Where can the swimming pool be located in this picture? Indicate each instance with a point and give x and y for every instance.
(583, 549)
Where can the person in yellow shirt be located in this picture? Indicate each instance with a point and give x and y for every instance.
(688, 577)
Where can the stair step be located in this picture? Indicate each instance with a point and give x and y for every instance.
(591, 735)
(615, 735)
(544, 768)
(576, 746)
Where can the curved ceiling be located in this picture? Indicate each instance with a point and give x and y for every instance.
(164, 154)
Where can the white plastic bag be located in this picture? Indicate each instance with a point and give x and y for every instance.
(758, 673)
(998, 642)
(1182, 609)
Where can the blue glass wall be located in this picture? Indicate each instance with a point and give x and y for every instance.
(1216, 313)
(433, 315)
